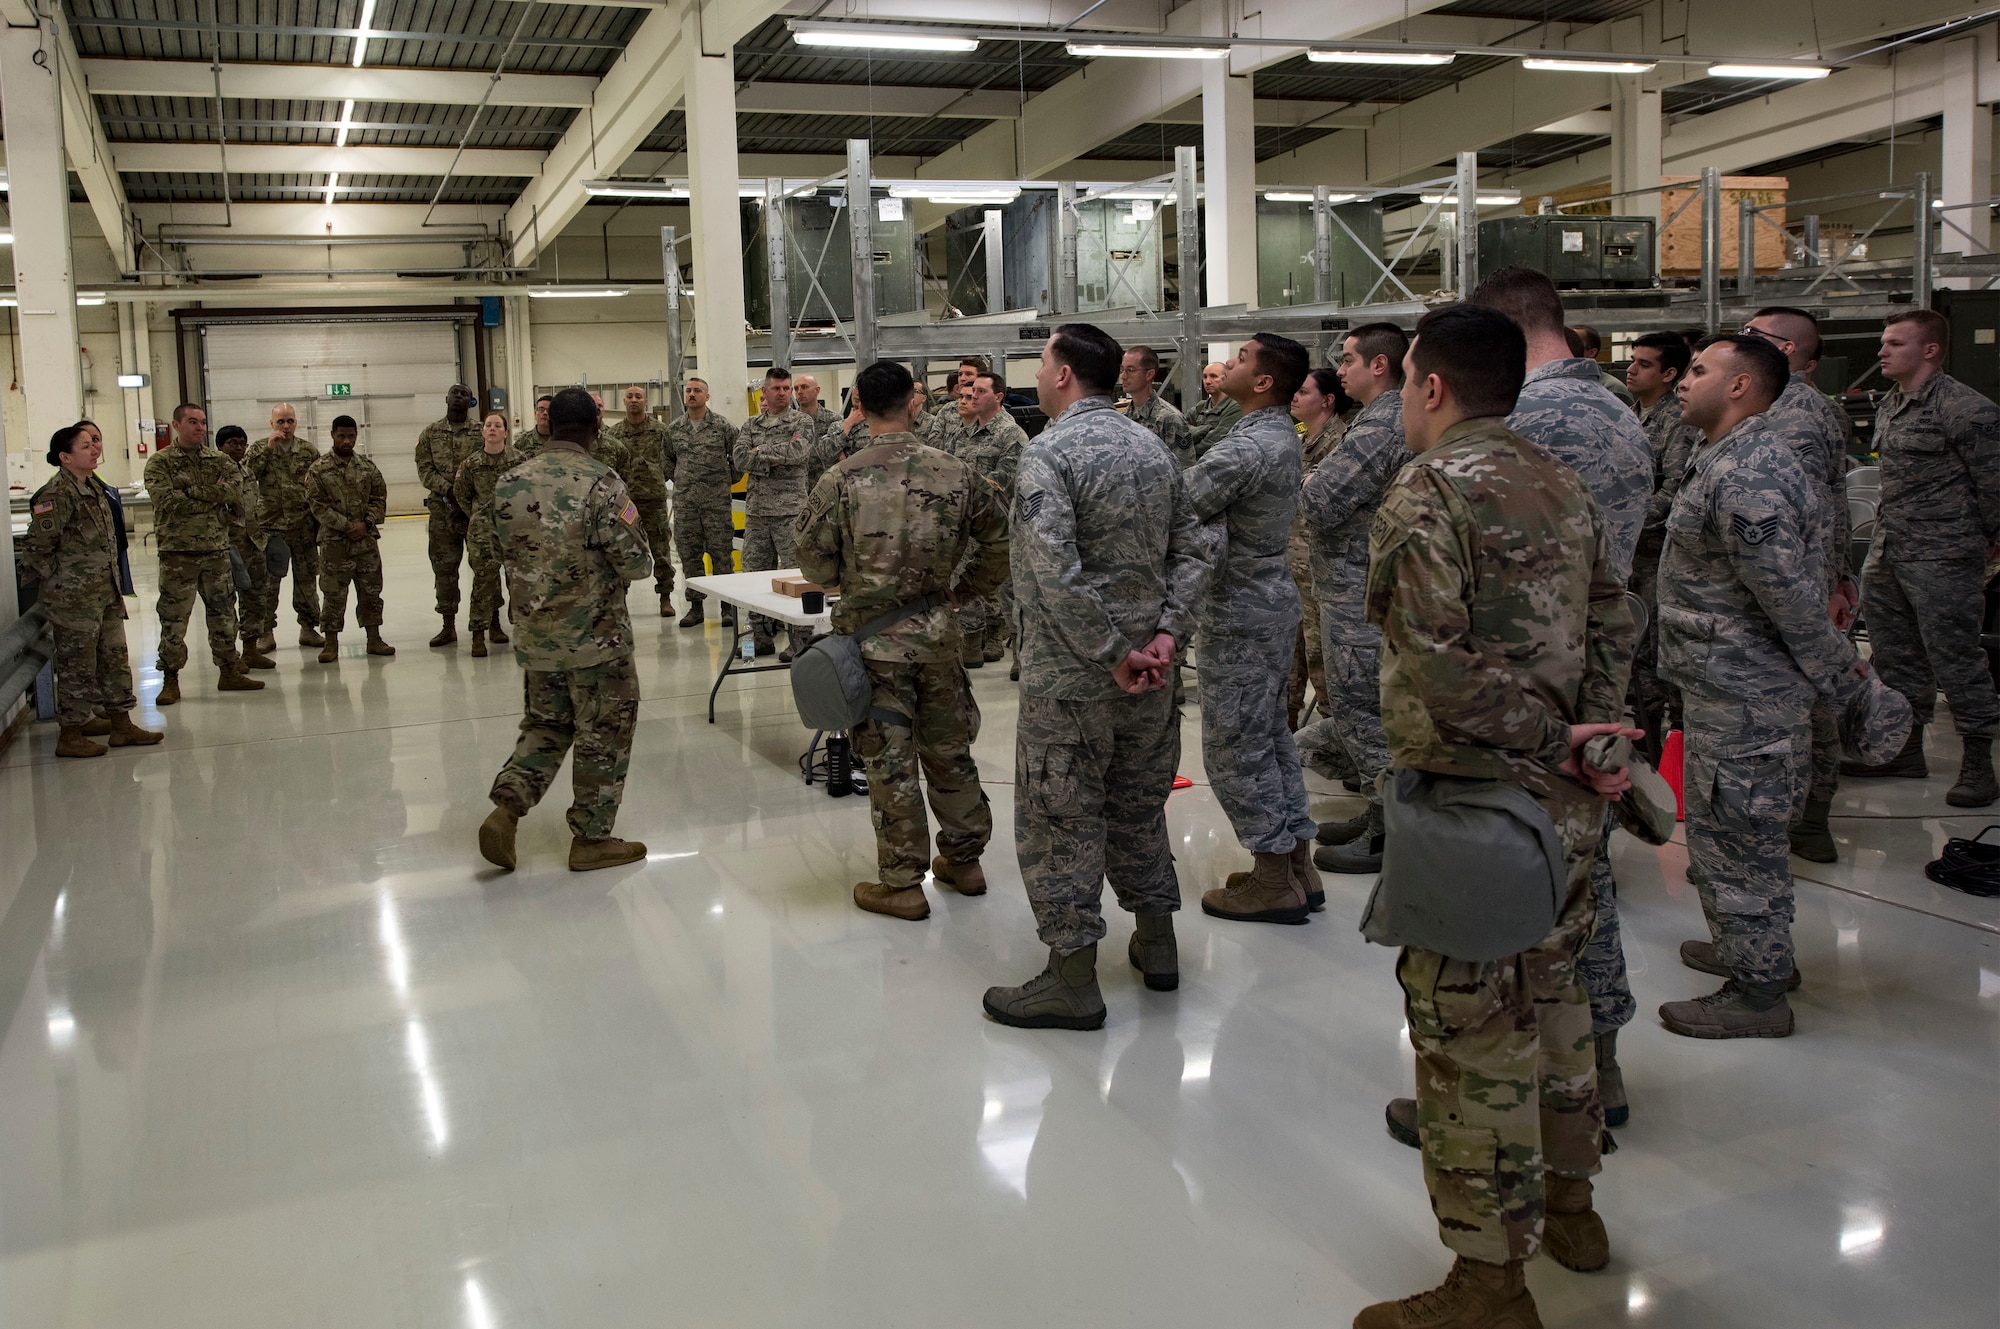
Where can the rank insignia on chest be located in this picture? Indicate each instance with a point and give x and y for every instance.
(630, 514)
(49, 506)
(1753, 533)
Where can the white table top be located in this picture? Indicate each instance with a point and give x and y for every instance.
(752, 591)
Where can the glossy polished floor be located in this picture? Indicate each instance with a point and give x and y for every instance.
(278, 1050)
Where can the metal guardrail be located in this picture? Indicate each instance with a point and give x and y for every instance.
(25, 648)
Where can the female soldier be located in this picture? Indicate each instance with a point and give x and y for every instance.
(473, 489)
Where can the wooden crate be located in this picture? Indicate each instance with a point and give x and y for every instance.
(1680, 243)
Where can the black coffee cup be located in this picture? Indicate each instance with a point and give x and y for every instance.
(813, 602)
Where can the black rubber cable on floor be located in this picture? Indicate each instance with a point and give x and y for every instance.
(1968, 865)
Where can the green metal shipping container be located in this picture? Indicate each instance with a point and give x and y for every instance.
(1285, 252)
(1577, 252)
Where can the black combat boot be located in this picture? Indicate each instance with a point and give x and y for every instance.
(1812, 837)
(1976, 787)
(1611, 1080)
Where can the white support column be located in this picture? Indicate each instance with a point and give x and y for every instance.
(38, 198)
(1967, 166)
(721, 349)
(121, 454)
(1229, 177)
(520, 362)
(1635, 143)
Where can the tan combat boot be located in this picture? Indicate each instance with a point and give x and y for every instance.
(309, 635)
(496, 837)
(610, 852)
(267, 642)
(170, 687)
(1154, 952)
(376, 646)
(448, 633)
(965, 878)
(479, 643)
(908, 903)
(331, 650)
(254, 658)
(124, 734)
(971, 650)
(694, 615)
(666, 606)
(97, 726)
(1308, 876)
(233, 678)
(1269, 893)
(495, 633)
(1063, 996)
(1572, 1233)
(1475, 1295)
(70, 742)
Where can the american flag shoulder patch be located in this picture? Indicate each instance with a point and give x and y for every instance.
(630, 514)
(49, 506)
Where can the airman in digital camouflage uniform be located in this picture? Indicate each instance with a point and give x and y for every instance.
(1321, 428)
(1247, 485)
(891, 525)
(990, 442)
(944, 400)
(1139, 376)
(772, 449)
(279, 464)
(197, 493)
(1924, 583)
(1659, 359)
(530, 442)
(71, 549)
(472, 489)
(350, 501)
(1506, 638)
(441, 446)
(1108, 565)
(1215, 414)
(569, 537)
(807, 389)
(645, 439)
(1338, 504)
(700, 449)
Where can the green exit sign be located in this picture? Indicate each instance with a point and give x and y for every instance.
(340, 389)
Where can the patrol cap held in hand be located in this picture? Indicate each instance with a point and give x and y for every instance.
(1875, 724)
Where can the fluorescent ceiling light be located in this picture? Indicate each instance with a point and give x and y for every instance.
(963, 194)
(332, 184)
(90, 298)
(133, 380)
(633, 189)
(1300, 196)
(346, 116)
(1381, 57)
(576, 292)
(1562, 65)
(1096, 50)
(361, 42)
(1485, 198)
(883, 39)
(1768, 71)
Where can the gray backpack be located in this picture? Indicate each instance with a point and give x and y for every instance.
(829, 682)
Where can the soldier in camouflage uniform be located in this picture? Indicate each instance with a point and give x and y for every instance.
(1659, 359)
(1321, 429)
(891, 526)
(700, 448)
(247, 542)
(644, 440)
(279, 464)
(807, 388)
(1924, 582)
(944, 400)
(472, 488)
(71, 548)
(197, 494)
(1506, 639)
(349, 501)
(1108, 565)
(1214, 415)
(1139, 376)
(441, 446)
(772, 449)
(1745, 633)
(990, 442)
(570, 539)
(530, 442)
(1338, 504)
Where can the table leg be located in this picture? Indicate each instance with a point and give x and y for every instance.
(728, 661)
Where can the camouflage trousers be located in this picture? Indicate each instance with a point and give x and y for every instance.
(1923, 630)
(1507, 1068)
(1354, 675)
(482, 550)
(1091, 780)
(1656, 703)
(938, 722)
(769, 542)
(184, 578)
(344, 563)
(1746, 771)
(1252, 762)
(253, 605)
(594, 709)
(446, 530)
(1308, 666)
(93, 672)
(710, 531)
(1824, 780)
(986, 621)
(303, 543)
(659, 529)
(1601, 967)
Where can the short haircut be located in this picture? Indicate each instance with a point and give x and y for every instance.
(181, 411)
(1090, 352)
(343, 422)
(1930, 325)
(230, 433)
(1755, 355)
(1325, 382)
(696, 379)
(1373, 339)
(883, 387)
(1675, 354)
(999, 384)
(1576, 346)
(1479, 351)
(1524, 295)
(978, 362)
(1593, 341)
(62, 442)
(544, 397)
(1149, 359)
(1284, 360)
(1693, 336)
(779, 373)
(1805, 330)
(573, 408)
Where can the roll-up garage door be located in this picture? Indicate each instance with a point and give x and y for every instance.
(394, 376)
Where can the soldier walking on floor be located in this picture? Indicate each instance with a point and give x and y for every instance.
(196, 497)
(441, 446)
(349, 501)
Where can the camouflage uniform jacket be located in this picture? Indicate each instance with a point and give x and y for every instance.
(1313, 449)
(700, 452)
(1940, 455)
(440, 448)
(72, 548)
(1338, 504)
(892, 523)
(772, 450)
(644, 446)
(1742, 614)
(1107, 551)
(529, 443)
(1673, 449)
(1168, 424)
(246, 531)
(1250, 480)
(1807, 422)
(1208, 422)
(344, 490)
(280, 472)
(195, 498)
(939, 429)
(1502, 621)
(994, 451)
(822, 418)
(1565, 409)
(477, 474)
(569, 534)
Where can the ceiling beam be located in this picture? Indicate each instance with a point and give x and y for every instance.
(374, 83)
(307, 159)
